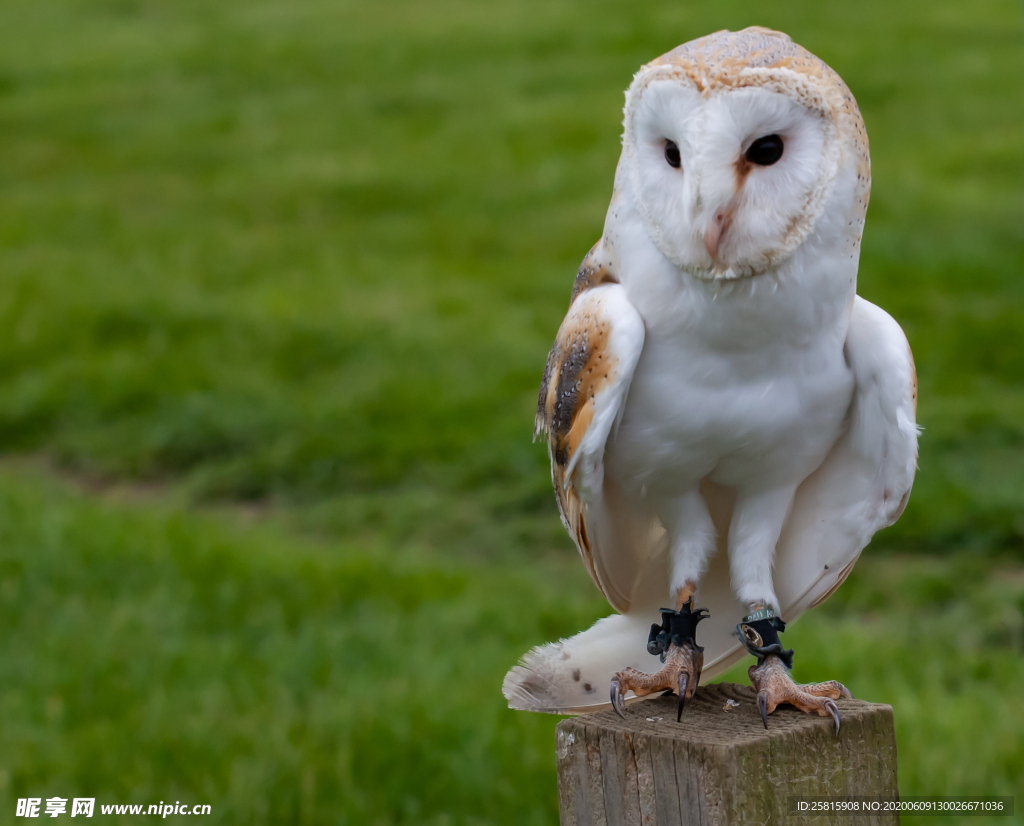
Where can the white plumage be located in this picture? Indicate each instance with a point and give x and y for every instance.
(721, 408)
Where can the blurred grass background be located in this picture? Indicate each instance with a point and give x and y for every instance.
(277, 282)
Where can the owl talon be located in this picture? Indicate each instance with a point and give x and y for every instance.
(775, 686)
(833, 709)
(762, 703)
(616, 696)
(771, 678)
(679, 675)
(674, 642)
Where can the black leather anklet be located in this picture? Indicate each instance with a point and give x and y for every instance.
(676, 628)
(761, 636)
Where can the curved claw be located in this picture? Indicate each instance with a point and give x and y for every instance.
(617, 702)
(684, 678)
(834, 711)
(846, 692)
(762, 703)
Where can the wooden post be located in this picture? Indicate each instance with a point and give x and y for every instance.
(721, 767)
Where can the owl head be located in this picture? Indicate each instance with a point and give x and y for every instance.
(738, 147)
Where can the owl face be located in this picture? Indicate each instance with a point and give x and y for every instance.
(729, 181)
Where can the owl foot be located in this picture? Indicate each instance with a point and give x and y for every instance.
(681, 675)
(675, 641)
(771, 678)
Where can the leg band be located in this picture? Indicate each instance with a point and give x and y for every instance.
(761, 638)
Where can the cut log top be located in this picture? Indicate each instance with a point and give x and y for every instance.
(719, 765)
(706, 719)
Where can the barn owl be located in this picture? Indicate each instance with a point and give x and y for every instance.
(728, 422)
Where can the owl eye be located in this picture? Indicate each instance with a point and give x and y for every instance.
(672, 154)
(765, 151)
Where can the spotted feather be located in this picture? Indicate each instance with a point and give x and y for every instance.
(581, 396)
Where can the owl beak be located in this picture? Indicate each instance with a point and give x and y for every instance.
(719, 226)
(712, 235)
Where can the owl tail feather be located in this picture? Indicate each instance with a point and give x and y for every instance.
(573, 676)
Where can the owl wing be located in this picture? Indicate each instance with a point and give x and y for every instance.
(862, 486)
(582, 396)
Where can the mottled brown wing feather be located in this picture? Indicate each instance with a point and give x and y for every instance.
(585, 380)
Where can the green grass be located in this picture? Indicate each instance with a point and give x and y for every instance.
(305, 259)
